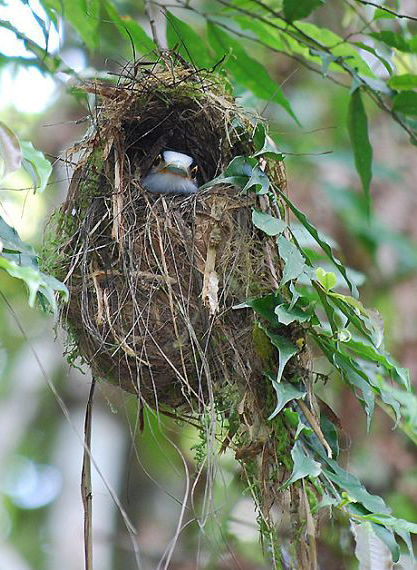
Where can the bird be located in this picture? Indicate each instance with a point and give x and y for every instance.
(171, 175)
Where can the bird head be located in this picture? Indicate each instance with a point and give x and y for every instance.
(172, 174)
(175, 163)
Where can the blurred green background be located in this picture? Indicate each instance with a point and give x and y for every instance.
(40, 447)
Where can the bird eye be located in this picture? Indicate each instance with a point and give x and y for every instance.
(194, 171)
(157, 160)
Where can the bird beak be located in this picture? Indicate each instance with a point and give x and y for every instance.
(177, 169)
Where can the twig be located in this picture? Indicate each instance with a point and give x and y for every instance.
(385, 9)
(149, 15)
(86, 487)
(315, 426)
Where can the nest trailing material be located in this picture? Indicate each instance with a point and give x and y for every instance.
(153, 279)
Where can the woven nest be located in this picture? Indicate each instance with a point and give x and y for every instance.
(153, 279)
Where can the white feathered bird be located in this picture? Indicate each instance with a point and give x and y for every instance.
(172, 175)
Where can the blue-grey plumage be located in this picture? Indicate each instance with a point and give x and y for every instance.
(171, 176)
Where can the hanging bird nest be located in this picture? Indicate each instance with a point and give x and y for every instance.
(153, 279)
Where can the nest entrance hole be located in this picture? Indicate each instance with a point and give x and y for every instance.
(183, 126)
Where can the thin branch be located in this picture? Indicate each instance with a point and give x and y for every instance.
(365, 22)
(86, 487)
(315, 426)
(385, 9)
(152, 22)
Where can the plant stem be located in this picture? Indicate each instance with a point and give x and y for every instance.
(152, 22)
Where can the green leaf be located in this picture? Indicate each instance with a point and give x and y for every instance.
(326, 278)
(245, 70)
(286, 350)
(328, 309)
(392, 522)
(19, 260)
(35, 281)
(299, 9)
(358, 380)
(381, 14)
(293, 259)
(258, 180)
(319, 239)
(243, 172)
(306, 241)
(43, 59)
(276, 36)
(189, 44)
(362, 150)
(83, 16)
(237, 173)
(268, 224)
(304, 465)
(350, 371)
(10, 241)
(264, 307)
(385, 533)
(337, 47)
(302, 428)
(412, 42)
(387, 536)
(384, 359)
(291, 416)
(356, 313)
(385, 392)
(294, 419)
(295, 295)
(264, 144)
(330, 434)
(373, 51)
(393, 40)
(29, 275)
(351, 485)
(269, 36)
(130, 29)
(405, 102)
(285, 393)
(37, 165)
(403, 82)
(287, 315)
(326, 59)
(10, 151)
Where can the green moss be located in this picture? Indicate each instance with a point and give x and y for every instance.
(283, 441)
(50, 262)
(62, 225)
(200, 449)
(264, 348)
(312, 499)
